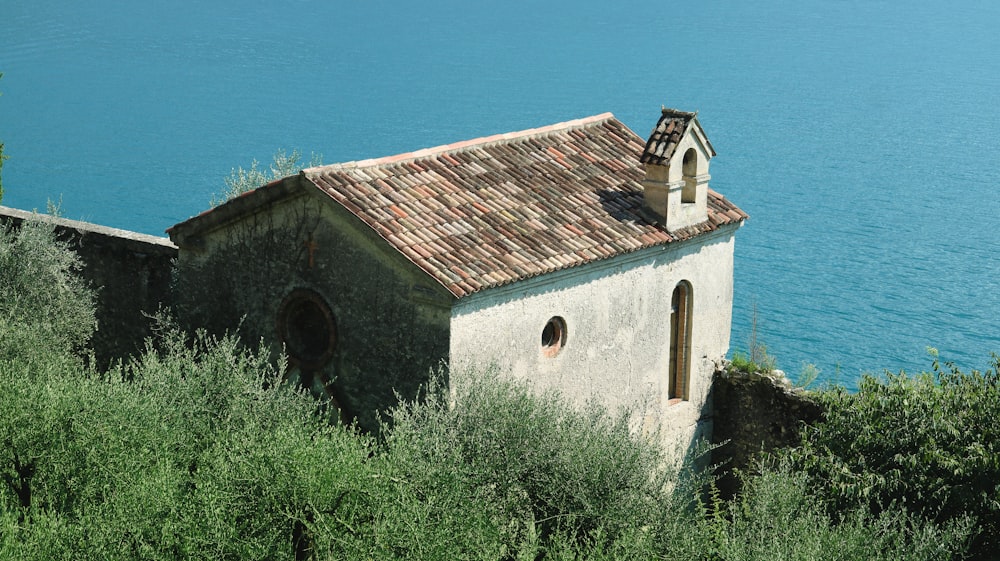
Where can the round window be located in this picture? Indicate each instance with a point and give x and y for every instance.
(553, 336)
(307, 329)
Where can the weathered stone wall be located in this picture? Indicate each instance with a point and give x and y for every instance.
(390, 324)
(130, 271)
(755, 412)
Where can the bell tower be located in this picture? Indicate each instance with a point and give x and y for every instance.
(676, 158)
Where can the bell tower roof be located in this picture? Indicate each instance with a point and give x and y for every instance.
(667, 135)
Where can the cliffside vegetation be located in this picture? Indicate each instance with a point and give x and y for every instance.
(927, 444)
(197, 450)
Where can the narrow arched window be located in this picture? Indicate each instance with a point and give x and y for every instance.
(689, 193)
(680, 342)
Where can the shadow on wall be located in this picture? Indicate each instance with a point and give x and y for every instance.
(130, 272)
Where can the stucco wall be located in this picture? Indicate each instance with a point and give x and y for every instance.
(131, 273)
(617, 317)
(391, 320)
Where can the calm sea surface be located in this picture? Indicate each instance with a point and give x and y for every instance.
(863, 137)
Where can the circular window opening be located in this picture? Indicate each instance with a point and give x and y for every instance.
(307, 329)
(553, 336)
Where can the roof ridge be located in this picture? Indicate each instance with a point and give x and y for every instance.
(669, 111)
(462, 145)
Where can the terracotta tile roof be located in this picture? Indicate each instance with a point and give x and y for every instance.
(490, 211)
(665, 136)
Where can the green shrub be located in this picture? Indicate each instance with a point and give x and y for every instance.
(245, 180)
(195, 451)
(756, 359)
(46, 307)
(928, 443)
(744, 363)
(192, 452)
(544, 470)
(777, 517)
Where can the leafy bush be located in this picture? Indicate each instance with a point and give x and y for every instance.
(777, 517)
(927, 443)
(756, 359)
(192, 452)
(552, 481)
(45, 306)
(545, 470)
(244, 180)
(763, 364)
(195, 451)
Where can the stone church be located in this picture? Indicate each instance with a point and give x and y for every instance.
(578, 256)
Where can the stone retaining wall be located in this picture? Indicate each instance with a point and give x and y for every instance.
(131, 272)
(754, 413)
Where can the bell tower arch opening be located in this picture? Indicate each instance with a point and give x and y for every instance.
(689, 193)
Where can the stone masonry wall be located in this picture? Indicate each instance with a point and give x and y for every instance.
(130, 271)
(390, 324)
(755, 412)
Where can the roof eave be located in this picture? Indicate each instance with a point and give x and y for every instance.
(251, 202)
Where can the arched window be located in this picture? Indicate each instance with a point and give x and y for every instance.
(689, 193)
(680, 342)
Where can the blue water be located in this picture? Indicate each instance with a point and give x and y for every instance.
(863, 137)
